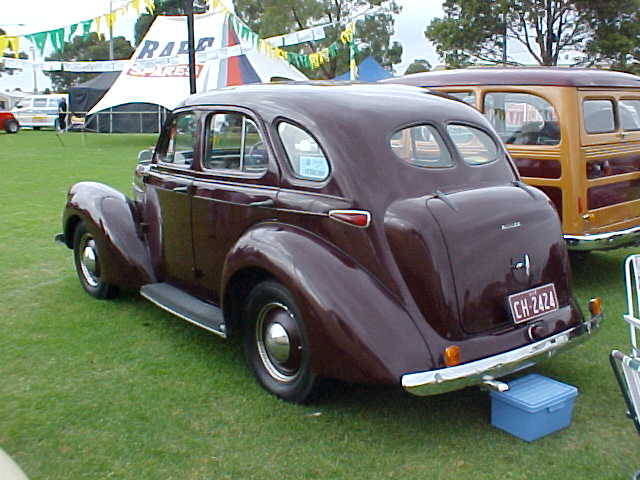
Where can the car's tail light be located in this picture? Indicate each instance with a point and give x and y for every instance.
(452, 356)
(356, 218)
(595, 306)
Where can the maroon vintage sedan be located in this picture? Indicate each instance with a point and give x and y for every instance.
(368, 233)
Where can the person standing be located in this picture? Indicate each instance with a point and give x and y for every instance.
(62, 114)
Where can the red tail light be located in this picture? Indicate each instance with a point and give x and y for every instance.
(356, 218)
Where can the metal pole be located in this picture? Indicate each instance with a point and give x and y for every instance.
(504, 39)
(35, 73)
(110, 30)
(188, 8)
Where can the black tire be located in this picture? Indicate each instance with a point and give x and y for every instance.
(11, 126)
(37, 128)
(86, 256)
(281, 364)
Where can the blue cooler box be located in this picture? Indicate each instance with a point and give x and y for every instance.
(534, 406)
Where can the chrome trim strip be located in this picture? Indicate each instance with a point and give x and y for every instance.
(453, 378)
(603, 241)
(179, 315)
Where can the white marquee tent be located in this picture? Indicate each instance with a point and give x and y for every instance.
(158, 72)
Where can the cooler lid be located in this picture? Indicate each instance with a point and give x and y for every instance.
(534, 392)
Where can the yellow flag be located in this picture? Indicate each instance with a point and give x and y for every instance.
(96, 24)
(110, 18)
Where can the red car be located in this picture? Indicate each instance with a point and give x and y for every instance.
(369, 233)
(8, 122)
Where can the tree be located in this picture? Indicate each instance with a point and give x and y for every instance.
(616, 35)
(474, 29)
(418, 65)
(92, 47)
(373, 33)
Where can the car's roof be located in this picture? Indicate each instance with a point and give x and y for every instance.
(330, 101)
(555, 76)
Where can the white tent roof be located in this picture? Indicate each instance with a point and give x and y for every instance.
(158, 70)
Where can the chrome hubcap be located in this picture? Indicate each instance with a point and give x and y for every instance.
(279, 342)
(276, 342)
(89, 260)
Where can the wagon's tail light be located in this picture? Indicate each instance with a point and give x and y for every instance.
(595, 306)
(356, 218)
(452, 356)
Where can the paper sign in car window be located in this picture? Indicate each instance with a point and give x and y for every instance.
(313, 167)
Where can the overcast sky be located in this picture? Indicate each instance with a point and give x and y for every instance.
(18, 18)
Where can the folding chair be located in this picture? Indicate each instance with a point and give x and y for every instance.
(627, 367)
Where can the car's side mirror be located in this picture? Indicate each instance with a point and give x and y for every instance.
(145, 155)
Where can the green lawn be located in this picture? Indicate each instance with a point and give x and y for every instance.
(121, 389)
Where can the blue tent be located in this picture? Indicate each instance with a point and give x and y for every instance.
(368, 71)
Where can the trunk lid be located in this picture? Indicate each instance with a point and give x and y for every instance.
(485, 233)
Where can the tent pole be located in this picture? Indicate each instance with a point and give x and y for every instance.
(188, 7)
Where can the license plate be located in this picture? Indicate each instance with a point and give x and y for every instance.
(532, 303)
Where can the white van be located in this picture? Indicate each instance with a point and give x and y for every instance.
(39, 111)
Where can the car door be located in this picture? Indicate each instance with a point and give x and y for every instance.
(169, 183)
(236, 188)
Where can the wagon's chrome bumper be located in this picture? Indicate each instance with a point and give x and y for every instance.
(603, 241)
(486, 369)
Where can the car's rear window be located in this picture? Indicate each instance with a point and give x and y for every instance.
(421, 146)
(474, 146)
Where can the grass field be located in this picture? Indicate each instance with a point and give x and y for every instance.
(121, 389)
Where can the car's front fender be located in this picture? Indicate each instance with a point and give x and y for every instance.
(358, 331)
(111, 218)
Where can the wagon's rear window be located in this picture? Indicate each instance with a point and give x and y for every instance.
(474, 146)
(305, 155)
(421, 146)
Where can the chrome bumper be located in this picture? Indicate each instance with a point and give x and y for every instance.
(603, 241)
(486, 369)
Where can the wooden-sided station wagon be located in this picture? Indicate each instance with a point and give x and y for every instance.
(572, 133)
(367, 233)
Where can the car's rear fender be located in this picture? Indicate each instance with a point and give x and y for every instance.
(358, 331)
(111, 217)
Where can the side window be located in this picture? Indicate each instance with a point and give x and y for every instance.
(421, 146)
(466, 96)
(40, 102)
(181, 136)
(598, 116)
(629, 114)
(474, 145)
(303, 152)
(234, 143)
(522, 118)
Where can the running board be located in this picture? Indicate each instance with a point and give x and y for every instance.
(185, 306)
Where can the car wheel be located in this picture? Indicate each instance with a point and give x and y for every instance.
(37, 128)
(86, 256)
(276, 345)
(11, 126)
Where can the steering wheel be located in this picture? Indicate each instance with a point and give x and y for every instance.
(257, 154)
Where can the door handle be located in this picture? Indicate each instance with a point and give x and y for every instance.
(181, 189)
(268, 203)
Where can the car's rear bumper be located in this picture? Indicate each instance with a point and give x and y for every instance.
(603, 241)
(477, 372)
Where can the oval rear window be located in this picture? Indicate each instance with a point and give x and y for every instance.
(421, 146)
(474, 146)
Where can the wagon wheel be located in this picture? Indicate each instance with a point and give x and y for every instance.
(276, 345)
(88, 261)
